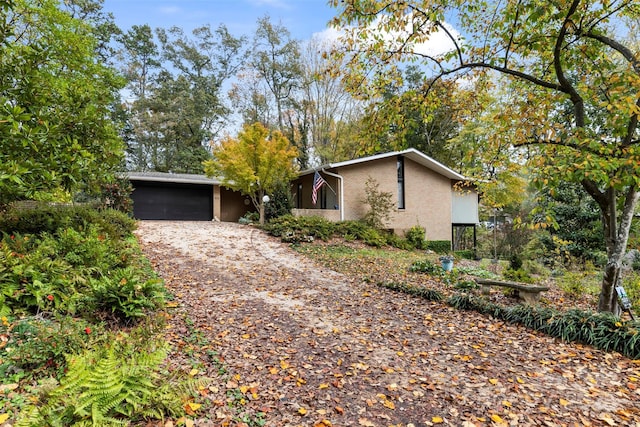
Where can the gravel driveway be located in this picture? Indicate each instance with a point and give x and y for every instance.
(287, 343)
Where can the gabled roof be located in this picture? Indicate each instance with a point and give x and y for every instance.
(181, 178)
(410, 153)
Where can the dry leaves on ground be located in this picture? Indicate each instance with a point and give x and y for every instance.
(287, 342)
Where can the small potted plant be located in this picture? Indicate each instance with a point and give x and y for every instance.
(447, 262)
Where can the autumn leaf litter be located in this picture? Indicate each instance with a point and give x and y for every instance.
(283, 341)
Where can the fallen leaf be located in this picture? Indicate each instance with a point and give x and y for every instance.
(607, 418)
(194, 406)
(497, 419)
(302, 411)
(3, 418)
(437, 420)
(493, 381)
(366, 423)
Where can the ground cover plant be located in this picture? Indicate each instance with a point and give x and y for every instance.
(81, 328)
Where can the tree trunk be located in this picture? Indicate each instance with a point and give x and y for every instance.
(261, 212)
(616, 237)
(608, 300)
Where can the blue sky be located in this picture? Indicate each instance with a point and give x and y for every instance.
(302, 18)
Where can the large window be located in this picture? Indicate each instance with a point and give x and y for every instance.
(400, 166)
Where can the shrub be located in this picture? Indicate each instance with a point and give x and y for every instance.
(515, 262)
(351, 227)
(466, 285)
(128, 294)
(422, 292)
(117, 196)
(44, 218)
(425, 266)
(51, 273)
(439, 246)
(113, 223)
(249, 218)
(297, 229)
(37, 344)
(416, 237)
(465, 254)
(380, 204)
(517, 275)
(374, 237)
(398, 242)
(281, 202)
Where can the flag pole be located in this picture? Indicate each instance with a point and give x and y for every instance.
(327, 184)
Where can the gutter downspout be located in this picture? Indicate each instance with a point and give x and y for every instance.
(335, 175)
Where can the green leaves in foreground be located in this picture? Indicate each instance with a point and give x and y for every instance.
(111, 386)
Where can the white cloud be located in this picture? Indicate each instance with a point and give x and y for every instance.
(437, 43)
(170, 10)
(329, 36)
(278, 4)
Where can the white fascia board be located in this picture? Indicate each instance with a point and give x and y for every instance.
(410, 153)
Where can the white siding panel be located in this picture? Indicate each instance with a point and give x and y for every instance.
(464, 207)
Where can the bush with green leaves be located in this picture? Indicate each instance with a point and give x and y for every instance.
(439, 246)
(294, 229)
(127, 294)
(45, 218)
(425, 266)
(576, 283)
(380, 204)
(518, 276)
(416, 236)
(398, 242)
(281, 202)
(352, 228)
(465, 254)
(72, 270)
(40, 345)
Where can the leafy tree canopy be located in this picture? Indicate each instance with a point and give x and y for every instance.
(55, 104)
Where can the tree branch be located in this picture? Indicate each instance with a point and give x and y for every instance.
(568, 88)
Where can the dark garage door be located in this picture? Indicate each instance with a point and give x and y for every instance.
(172, 201)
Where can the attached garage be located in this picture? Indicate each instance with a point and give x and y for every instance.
(163, 196)
(184, 197)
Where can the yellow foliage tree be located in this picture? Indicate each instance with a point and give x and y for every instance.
(254, 163)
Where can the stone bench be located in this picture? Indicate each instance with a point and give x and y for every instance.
(529, 293)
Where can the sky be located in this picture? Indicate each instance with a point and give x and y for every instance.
(303, 18)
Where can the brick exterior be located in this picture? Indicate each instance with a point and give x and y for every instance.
(428, 195)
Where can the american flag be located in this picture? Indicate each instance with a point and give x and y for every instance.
(318, 182)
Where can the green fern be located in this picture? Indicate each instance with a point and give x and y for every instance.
(109, 387)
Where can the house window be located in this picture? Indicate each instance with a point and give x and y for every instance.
(400, 167)
(299, 197)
